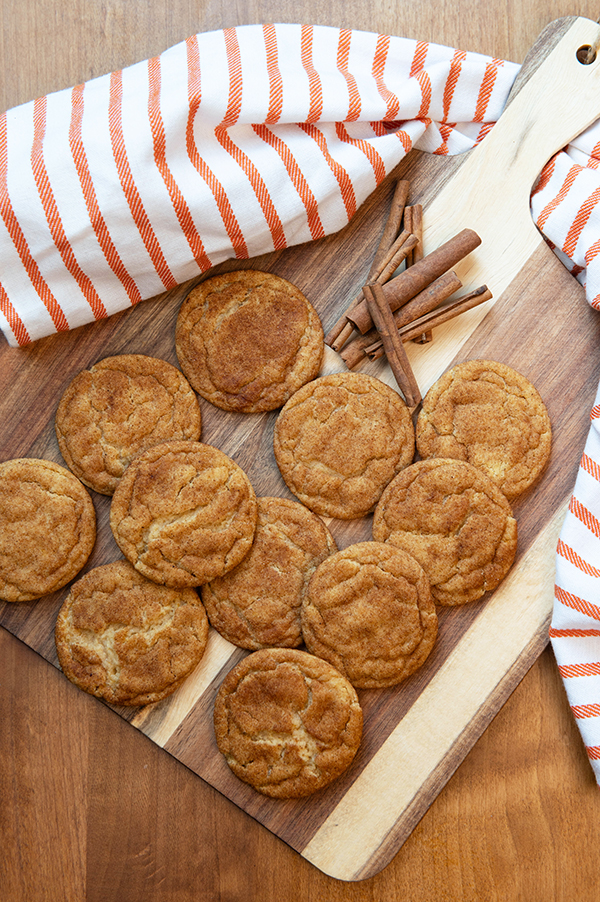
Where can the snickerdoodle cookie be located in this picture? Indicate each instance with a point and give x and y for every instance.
(339, 440)
(183, 513)
(257, 604)
(287, 722)
(246, 340)
(455, 521)
(127, 640)
(119, 407)
(47, 528)
(369, 612)
(491, 416)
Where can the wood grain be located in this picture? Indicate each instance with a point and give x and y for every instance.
(146, 856)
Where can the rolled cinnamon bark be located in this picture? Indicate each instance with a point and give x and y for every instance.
(393, 223)
(389, 234)
(409, 283)
(392, 343)
(401, 250)
(427, 300)
(412, 330)
(389, 263)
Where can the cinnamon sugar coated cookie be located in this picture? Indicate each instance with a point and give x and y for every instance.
(489, 415)
(127, 640)
(257, 604)
(246, 340)
(455, 521)
(287, 723)
(369, 612)
(183, 513)
(339, 441)
(119, 407)
(47, 528)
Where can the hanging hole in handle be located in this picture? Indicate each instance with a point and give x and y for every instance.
(586, 54)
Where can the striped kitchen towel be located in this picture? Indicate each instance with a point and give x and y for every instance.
(565, 206)
(230, 144)
(246, 140)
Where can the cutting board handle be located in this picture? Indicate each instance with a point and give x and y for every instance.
(489, 190)
(559, 101)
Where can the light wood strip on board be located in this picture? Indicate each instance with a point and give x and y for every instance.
(359, 824)
(160, 721)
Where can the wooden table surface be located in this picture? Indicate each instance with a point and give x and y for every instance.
(92, 810)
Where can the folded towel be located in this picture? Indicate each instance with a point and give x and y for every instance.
(233, 143)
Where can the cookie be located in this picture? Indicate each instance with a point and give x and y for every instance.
(455, 521)
(183, 513)
(257, 604)
(47, 528)
(339, 441)
(287, 723)
(127, 640)
(119, 407)
(369, 612)
(489, 415)
(247, 340)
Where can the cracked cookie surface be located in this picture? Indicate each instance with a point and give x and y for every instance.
(339, 440)
(119, 407)
(455, 521)
(369, 612)
(183, 513)
(257, 604)
(288, 723)
(47, 528)
(247, 340)
(127, 640)
(491, 416)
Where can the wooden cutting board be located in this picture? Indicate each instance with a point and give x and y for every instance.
(416, 734)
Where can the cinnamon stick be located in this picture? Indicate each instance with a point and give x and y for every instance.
(409, 228)
(427, 300)
(412, 331)
(344, 333)
(390, 231)
(381, 314)
(415, 218)
(386, 268)
(393, 223)
(417, 229)
(404, 287)
(416, 226)
(398, 252)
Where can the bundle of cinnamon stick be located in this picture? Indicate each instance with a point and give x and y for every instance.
(392, 309)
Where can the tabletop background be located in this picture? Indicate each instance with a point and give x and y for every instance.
(92, 810)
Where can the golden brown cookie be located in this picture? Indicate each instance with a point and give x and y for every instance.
(247, 340)
(127, 640)
(257, 604)
(369, 612)
(491, 416)
(183, 513)
(119, 407)
(47, 528)
(339, 440)
(287, 722)
(455, 521)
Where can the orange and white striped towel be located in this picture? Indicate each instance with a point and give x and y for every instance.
(238, 142)
(566, 206)
(575, 629)
(230, 144)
